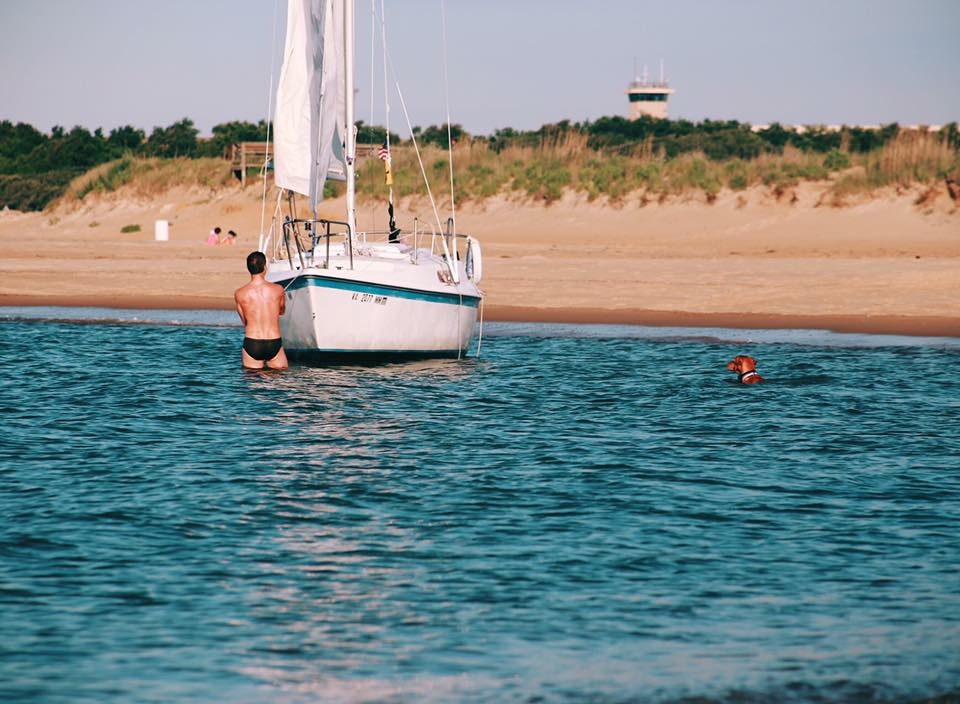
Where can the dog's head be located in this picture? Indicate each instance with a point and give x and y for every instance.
(741, 364)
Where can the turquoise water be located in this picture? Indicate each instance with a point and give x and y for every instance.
(584, 514)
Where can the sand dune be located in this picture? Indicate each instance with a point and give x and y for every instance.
(883, 264)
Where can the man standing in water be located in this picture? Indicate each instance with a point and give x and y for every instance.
(260, 305)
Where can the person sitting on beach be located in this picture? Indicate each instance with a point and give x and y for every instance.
(260, 305)
(214, 237)
(230, 239)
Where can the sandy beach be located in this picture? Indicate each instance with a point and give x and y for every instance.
(752, 260)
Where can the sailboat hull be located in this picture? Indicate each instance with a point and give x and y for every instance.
(331, 317)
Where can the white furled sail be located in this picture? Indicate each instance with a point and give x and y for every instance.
(310, 119)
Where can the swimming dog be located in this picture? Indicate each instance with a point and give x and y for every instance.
(746, 369)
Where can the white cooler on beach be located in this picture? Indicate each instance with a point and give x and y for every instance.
(161, 230)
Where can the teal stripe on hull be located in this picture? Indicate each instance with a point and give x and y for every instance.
(308, 280)
(371, 356)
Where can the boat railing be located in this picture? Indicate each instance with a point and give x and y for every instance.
(416, 239)
(413, 238)
(450, 239)
(296, 230)
(301, 237)
(396, 236)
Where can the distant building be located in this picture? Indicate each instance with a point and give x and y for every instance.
(649, 97)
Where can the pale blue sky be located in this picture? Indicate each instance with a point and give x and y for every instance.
(517, 63)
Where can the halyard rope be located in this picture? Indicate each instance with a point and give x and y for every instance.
(266, 154)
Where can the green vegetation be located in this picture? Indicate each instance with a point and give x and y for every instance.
(150, 176)
(37, 168)
(371, 134)
(909, 159)
(130, 228)
(32, 191)
(611, 157)
(544, 170)
(836, 160)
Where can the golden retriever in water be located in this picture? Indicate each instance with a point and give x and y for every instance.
(746, 369)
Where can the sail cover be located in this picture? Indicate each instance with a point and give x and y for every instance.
(310, 119)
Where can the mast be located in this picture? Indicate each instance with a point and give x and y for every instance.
(350, 136)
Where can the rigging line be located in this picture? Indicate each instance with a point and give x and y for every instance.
(460, 350)
(373, 42)
(268, 240)
(413, 138)
(446, 98)
(480, 339)
(386, 91)
(453, 203)
(266, 155)
(386, 99)
(449, 258)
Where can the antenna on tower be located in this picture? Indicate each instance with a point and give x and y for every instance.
(648, 98)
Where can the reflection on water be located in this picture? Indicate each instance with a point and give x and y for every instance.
(340, 424)
(570, 518)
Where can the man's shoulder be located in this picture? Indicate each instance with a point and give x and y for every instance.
(258, 289)
(242, 292)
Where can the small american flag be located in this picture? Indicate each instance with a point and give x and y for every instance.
(383, 153)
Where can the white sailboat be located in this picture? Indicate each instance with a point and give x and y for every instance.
(351, 293)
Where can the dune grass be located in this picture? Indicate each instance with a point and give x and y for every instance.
(543, 173)
(149, 176)
(911, 158)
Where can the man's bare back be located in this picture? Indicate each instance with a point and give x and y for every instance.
(260, 305)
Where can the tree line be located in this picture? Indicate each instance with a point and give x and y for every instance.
(26, 150)
(36, 167)
(719, 140)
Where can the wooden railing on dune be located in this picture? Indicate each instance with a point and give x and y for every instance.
(249, 155)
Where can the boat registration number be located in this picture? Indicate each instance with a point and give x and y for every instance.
(369, 298)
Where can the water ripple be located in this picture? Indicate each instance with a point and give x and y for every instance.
(581, 515)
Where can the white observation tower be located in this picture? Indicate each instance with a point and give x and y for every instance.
(648, 97)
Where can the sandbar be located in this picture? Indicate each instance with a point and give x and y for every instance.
(881, 264)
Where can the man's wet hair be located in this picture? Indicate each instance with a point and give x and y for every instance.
(256, 262)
